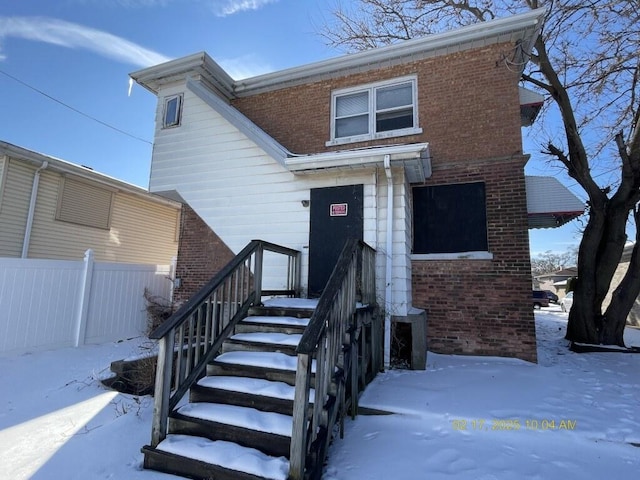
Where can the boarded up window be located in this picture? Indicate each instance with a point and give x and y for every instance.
(450, 218)
(84, 204)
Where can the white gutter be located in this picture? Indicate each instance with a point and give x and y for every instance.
(362, 157)
(32, 209)
(388, 264)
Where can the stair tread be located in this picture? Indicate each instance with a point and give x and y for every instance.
(227, 455)
(255, 386)
(277, 320)
(294, 303)
(244, 417)
(275, 360)
(269, 338)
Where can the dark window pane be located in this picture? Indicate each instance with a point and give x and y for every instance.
(394, 120)
(172, 112)
(450, 218)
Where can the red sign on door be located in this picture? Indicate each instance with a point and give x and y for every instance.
(338, 209)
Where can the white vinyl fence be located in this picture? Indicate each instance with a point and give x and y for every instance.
(46, 304)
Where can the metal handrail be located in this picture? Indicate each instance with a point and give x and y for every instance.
(193, 335)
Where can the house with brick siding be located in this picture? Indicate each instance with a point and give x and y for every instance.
(415, 148)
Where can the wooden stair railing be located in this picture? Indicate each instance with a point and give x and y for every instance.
(345, 340)
(193, 335)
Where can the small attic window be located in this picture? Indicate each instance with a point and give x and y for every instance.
(172, 111)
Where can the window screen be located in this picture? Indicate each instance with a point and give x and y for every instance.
(450, 218)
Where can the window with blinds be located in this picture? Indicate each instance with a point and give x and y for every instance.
(373, 111)
(84, 203)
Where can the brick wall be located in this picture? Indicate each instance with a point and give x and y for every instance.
(483, 307)
(201, 254)
(468, 107)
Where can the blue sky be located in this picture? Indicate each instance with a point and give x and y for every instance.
(80, 52)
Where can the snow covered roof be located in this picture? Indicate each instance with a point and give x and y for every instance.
(549, 203)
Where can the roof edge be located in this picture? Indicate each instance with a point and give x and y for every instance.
(528, 24)
(62, 166)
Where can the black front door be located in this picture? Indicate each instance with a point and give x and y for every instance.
(336, 216)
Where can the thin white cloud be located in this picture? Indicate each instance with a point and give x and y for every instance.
(71, 35)
(224, 8)
(128, 3)
(221, 8)
(245, 66)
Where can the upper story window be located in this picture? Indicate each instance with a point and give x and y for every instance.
(379, 110)
(172, 111)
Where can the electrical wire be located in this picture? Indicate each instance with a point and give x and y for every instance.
(105, 124)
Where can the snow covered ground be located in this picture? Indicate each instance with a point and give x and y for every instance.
(572, 416)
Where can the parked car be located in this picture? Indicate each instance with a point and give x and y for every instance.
(540, 299)
(553, 298)
(566, 302)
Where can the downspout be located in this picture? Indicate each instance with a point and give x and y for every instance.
(32, 209)
(388, 264)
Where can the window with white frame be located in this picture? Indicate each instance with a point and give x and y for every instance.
(172, 111)
(372, 111)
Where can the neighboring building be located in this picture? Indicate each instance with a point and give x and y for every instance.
(415, 147)
(52, 209)
(556, 281)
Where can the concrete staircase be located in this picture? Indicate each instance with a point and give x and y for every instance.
(237, 423)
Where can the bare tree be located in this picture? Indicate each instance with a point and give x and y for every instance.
(550, 262)
(587, 63)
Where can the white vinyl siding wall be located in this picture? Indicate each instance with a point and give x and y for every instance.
(401, 268)
(235, 187)
(244, 194)
(15, 194)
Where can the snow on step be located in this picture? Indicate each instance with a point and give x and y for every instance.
(303, 303)
(276, 360)
(256, 386)
(270, 338)
(228, 455)
(244, 417)
(276, 320)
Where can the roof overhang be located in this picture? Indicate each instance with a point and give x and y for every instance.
(521, 29)
(530, 105)
(549, 203)
(414, 158)
(63, 167)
